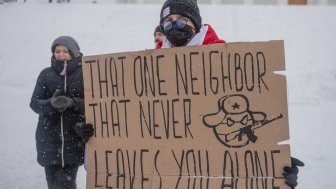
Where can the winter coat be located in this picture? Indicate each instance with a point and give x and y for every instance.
(56, 141)
(206, 36)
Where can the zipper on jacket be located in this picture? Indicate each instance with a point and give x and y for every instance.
(62, 140)
(65, 89)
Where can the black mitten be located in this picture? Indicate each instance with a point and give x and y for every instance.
(61, 103)
(291, 173)
(83, 130)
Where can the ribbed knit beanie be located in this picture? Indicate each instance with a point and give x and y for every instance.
(158, 29)
(187, 8)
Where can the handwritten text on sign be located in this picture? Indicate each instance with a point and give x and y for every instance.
(192, 117)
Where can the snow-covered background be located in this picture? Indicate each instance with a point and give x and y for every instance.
(28, 29)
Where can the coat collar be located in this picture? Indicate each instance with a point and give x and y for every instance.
(71, 64)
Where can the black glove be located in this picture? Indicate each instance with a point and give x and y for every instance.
(84, 131)
(61, 103)
(291, 173)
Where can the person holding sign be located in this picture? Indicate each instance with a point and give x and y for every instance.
(58, 98)
(181, 22)
(182, 25)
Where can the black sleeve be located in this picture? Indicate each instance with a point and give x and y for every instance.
(40, 102)
(79, 104)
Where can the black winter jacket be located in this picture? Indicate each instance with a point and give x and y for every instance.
(57, 143)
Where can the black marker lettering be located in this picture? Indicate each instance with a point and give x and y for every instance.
(104, 121)
(160, 81)
(249, 56)
(193, 79)
(120, 168)
(96, 170)
(184, 78)
(122, 58)
(143, 178)
(137, 65)
(213, 79)
(94, 117)
(108, 173)
(261, 74)
(238, 73)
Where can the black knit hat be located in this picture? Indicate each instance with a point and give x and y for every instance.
(69, 43)
(158, 29)
(187, 8)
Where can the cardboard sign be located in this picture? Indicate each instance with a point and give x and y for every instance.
(191, 117)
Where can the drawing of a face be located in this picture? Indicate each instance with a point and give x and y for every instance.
(232, 123)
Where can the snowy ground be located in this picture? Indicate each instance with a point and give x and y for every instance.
(27, 30)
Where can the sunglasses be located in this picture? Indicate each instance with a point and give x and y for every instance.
(180, 23)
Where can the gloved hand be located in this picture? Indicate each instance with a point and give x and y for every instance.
(83, 130)
(291, 173)
(61, 103)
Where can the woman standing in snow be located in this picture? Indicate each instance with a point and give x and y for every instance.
(58, 99)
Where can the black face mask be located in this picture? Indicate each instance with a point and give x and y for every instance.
(179, 36)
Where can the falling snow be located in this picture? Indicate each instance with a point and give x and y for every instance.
(28, 29)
